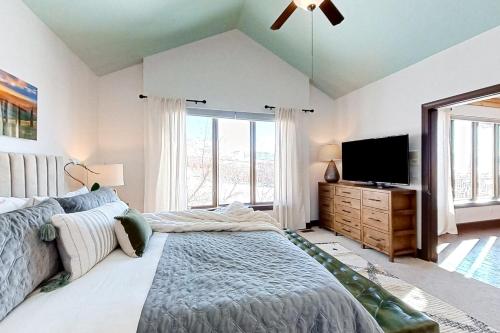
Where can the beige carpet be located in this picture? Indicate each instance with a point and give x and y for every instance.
(450, 318)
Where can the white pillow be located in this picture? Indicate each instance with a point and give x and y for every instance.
(39, 200)
(86, 238)
(11, 204)
(83, 190)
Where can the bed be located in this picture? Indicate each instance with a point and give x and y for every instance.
(238, 278)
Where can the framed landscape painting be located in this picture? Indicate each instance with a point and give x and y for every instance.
(18, 107)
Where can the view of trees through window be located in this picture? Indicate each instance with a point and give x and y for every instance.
(474, 160)
(461, 147)
(199, 161)
(229, 160)
(234, 161)
(264, 168)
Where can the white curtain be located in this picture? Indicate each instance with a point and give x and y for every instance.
(165, 155)
(291, 189)
(446, 209)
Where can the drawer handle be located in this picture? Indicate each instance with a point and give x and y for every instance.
(346, 211)
(347, 202)
(376, 220)
(375, 239)
(346, 220)
(345, 192)
(376, 200)
(349, 231)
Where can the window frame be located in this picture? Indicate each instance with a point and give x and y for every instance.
(475, 201)
(215, 116)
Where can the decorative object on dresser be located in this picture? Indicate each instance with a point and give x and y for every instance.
(78, 164)
(330, 153)
(382, 219)
(109, 175)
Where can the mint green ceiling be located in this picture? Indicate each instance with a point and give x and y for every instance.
(377, 38)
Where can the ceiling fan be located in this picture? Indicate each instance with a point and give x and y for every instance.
(326, 6)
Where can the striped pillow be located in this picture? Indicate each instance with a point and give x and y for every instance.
(86, 238)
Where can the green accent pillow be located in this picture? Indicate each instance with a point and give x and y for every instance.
(133, 233)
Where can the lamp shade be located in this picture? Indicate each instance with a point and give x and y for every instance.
(329, 153)
(107, 175)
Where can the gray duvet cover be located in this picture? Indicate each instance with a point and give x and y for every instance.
(246, 282)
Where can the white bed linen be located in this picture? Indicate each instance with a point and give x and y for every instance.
(109, 298)
(236, 217)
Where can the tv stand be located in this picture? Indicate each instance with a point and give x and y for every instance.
(383, 219)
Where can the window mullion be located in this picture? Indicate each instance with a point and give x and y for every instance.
(452, 157)
(474, 161)
(495, 162)
(215, 162)
(253, 156)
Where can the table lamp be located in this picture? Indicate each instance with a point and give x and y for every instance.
(330, 153)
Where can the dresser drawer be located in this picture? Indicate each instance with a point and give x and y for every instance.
(326, 206)
(349, 221)
(347, 211)
(376, 219)
(376, 200)
(325, 191)
(350, 202)
(348, 231)
(376, 239)
(349, 192)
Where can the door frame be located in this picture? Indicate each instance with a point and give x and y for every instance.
(429, 165)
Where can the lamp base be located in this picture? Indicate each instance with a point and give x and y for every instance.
(332, 174)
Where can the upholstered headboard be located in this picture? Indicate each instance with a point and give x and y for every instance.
(28, 175)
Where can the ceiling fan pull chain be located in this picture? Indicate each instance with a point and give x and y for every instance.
(312, 45)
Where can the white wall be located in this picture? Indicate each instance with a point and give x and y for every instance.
(231, 71)
(321, 131)
(393, 105)
(67, 89)
(121, 130)
(482, 213)
(477, 214)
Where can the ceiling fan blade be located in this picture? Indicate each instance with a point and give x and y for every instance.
(284, 16)
(331, 12)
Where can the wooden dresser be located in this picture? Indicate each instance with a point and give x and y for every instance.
(382, 219)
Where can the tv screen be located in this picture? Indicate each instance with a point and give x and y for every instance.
(383, 160)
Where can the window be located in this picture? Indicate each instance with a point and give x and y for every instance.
(234, 161)
(229, 160)
(474, 160)
(264, 161)
(200, 172)
(461, 152)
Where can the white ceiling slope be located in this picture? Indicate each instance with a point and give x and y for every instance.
(377, 38)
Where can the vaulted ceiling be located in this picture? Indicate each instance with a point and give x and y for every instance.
(377, 38)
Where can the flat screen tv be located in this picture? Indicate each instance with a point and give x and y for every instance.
(383, 160)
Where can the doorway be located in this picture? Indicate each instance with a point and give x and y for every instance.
(429, 208)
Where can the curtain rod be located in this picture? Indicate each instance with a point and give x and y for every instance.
(273, 107)
(141, 96)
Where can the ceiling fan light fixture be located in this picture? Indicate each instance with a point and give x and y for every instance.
(306, 4)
